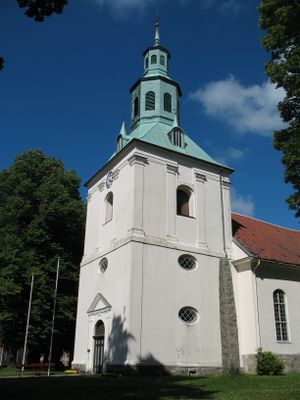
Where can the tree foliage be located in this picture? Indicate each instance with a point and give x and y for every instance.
(281, 19)
(39, 9)
(41, 217)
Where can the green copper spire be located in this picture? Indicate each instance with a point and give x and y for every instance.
(156, 38)
(123, 130)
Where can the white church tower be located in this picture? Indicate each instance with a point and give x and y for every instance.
(158, 224)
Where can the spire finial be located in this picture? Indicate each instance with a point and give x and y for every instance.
(157, 39)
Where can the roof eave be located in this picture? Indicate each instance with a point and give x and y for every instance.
(151, 78)
(129, 145)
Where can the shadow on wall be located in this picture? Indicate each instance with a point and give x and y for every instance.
(154, 386)
(117, 353)
(118, 341)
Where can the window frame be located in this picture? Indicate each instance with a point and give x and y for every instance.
(102, 268)
(109, 207)
(194, 310)
(190, 193)
(181, 264)
(168, 102)
(281, 316)
(153, 57)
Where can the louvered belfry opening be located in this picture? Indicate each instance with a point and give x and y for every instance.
(150, 100)
(167, 102)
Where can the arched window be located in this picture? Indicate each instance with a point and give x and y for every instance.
(99, 329)
(109, 203)
(167, 102)
(280, 315)
(136, 107)
(150, 101)
(162, 60)
(183, 201)
(153, 59)
(147, 63)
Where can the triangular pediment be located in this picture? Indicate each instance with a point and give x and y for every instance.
(99, 304)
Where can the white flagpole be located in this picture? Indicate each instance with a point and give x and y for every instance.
(53, 317)
(27, 324)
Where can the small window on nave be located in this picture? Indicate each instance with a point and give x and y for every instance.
(281, 325)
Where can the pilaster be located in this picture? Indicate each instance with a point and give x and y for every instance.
(172, 171)
(227, 214)
(138, 163)
(200, 180)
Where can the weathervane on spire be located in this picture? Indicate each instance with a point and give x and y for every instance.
(156, 39)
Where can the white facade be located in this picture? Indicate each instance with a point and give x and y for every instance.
(144, 284)
(255, 282)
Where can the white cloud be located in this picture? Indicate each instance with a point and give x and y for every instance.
(230, 6)
(251, 109)
(121, 6)
(230, 154)
(225, 6)
(241, 204)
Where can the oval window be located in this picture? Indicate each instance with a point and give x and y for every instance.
(187, 262)
(189, 315)
(103, 265)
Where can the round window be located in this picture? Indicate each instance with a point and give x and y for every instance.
(103, 265)
(189, 315)
(187, 262)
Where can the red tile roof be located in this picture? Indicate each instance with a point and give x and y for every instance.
(266, 241)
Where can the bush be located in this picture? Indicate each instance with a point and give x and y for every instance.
(268, 363)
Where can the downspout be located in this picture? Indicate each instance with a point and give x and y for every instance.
(256, 299)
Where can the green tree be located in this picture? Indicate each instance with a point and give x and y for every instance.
(39, 9)
(281, 20)
(41, 217)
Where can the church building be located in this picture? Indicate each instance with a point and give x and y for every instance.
(165, 284)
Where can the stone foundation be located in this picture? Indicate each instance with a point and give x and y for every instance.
(291, 363)
(141, 369)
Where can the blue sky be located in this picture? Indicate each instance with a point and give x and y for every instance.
(65, 87)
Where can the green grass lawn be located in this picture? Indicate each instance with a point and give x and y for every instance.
(244, 387)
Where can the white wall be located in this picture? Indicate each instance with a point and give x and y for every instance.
(270, 278)
(143, 282)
